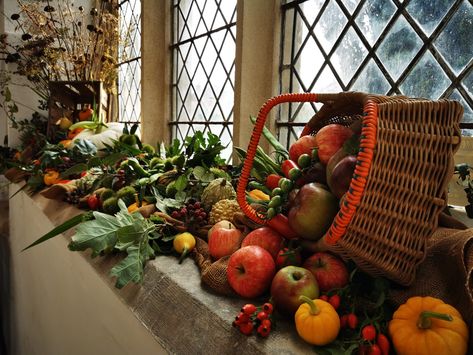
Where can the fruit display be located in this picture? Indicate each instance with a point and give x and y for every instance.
(143, 202)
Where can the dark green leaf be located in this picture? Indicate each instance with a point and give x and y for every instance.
(6, 94)
(75, 169)
(113, 158)
(181, 183)
(134, 128)
(93, 162)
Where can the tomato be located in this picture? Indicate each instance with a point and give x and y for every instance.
(374, 350)
(288, 257)
(334, 301)
(93, 202)
(272, 181)
(287, 166)
(352, 320)
(368, 332)
(280, 224)
(383, 343)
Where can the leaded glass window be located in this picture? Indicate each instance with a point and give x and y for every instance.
(419, 48)
(129, 67)
(203, 49)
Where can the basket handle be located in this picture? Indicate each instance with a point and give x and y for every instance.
(254, 140)
(350, 102)
(336, 104)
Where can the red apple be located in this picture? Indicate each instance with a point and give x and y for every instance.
(288, 285)
(287, 257)
(303, 145)
(250, 271)
(224, 223)
(265, 237)
(329, 271)
(329, 139)
(224, 239)
(312, 211)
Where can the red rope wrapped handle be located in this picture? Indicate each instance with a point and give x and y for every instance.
(254, 140)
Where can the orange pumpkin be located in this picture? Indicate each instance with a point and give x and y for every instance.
(427, 325)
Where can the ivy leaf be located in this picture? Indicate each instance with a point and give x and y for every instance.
(98, 234)
(181, 183)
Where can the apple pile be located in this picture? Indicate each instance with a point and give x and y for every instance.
(317, 176)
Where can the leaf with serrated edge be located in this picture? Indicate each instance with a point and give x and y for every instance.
(132, 267)
(98, 234)
(132, 233)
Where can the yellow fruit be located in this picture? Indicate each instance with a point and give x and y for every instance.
(64, 123)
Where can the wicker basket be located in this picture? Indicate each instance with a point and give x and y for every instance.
(400, 182)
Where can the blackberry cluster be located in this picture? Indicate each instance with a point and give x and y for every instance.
(73, 197)
(192, 214)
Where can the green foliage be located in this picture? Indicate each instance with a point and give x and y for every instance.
(124, 231)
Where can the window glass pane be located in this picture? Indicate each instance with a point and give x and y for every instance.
(396, 54)
(373, 18)
(129, 66)
(454, 43)
(416, 48)
(429, 13)
(203, 71)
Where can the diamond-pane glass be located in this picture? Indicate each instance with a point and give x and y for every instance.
(373, 18)
(396, 54)
(330, 25)
(416, 48)
(372, 80)
(454, 43)
(129, 66)
(348, 55)
(204, 44)
(429, 13)
(426, 79)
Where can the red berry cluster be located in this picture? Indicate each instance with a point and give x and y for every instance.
(252, 317)
(374, 342)
(192, 214)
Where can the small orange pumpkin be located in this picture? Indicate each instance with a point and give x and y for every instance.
(427, 325)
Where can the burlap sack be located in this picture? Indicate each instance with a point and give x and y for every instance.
(213, 274)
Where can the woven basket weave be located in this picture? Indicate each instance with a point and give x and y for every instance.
(400, 182)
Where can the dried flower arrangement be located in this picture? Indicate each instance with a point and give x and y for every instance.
(60, 41)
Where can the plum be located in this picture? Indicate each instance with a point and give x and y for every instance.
(341, 176)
